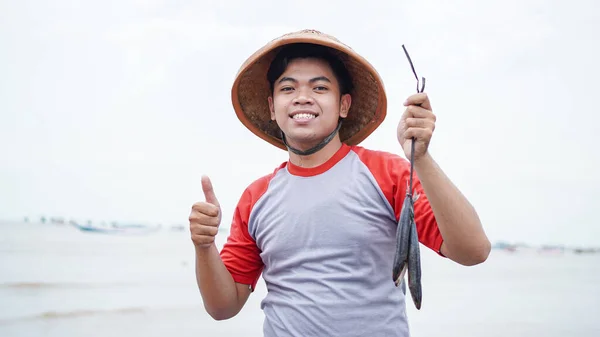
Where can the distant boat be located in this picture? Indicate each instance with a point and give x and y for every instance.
(551, 250)
(586, 250)
(505, 246)
(177, 228)
(115, 228)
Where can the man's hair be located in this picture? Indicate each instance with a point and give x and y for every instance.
(308, 50)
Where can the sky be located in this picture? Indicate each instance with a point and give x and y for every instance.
(113, 110)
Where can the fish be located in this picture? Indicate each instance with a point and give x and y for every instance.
(407, 258)
(414, 267)
(402, 241)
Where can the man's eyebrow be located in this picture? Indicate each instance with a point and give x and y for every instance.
(320, 78)
(312, 80)
(287, 79)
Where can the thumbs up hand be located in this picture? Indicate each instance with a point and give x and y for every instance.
(205, 217)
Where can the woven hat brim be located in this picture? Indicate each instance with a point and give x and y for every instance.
(250, 90)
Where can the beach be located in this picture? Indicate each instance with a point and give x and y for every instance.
(56, 280)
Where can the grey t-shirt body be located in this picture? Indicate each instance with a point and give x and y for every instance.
(324, 240)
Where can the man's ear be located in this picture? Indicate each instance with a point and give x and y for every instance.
(345, 103)
(271, 108)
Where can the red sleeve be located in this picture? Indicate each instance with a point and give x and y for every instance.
(392, 174)
(240, 254)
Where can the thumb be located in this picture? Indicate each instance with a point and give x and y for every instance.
(209, 193)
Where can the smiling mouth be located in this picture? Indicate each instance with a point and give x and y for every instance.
(304, 116)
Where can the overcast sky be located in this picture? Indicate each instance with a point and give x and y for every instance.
(112, 110)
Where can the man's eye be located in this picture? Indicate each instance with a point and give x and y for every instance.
(286, 89)
(321, 88)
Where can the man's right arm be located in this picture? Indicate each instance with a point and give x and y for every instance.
(225, 279)
(223, 298)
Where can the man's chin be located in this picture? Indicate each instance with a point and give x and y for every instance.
(303, 141)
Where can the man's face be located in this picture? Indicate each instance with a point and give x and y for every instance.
(306, 102)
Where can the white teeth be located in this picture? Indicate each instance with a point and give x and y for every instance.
(303, 116)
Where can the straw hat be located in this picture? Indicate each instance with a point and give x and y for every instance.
(251, 90)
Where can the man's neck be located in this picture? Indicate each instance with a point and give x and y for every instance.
(319, 157)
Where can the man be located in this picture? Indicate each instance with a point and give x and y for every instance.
(321, 227)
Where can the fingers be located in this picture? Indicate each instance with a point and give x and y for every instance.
(205, 217)
(204, 224)
(420, 99)
(415, 117)
(209, 193)
(420, 123)
(417, 122)
(419, 128)
(419, 112)
(197, 217)
(199, 230)
(206, 208)
(418, 133)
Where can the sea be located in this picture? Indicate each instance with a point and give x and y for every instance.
(58, 280)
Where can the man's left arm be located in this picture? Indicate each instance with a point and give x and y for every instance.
(464, 240)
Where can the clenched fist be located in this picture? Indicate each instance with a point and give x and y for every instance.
(205, 217)
(418, 122)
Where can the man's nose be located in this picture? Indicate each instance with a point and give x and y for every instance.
(303, 98)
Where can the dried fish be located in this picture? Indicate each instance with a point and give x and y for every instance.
(407, 257)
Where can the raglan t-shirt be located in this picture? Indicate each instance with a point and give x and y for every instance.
(324, 240)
